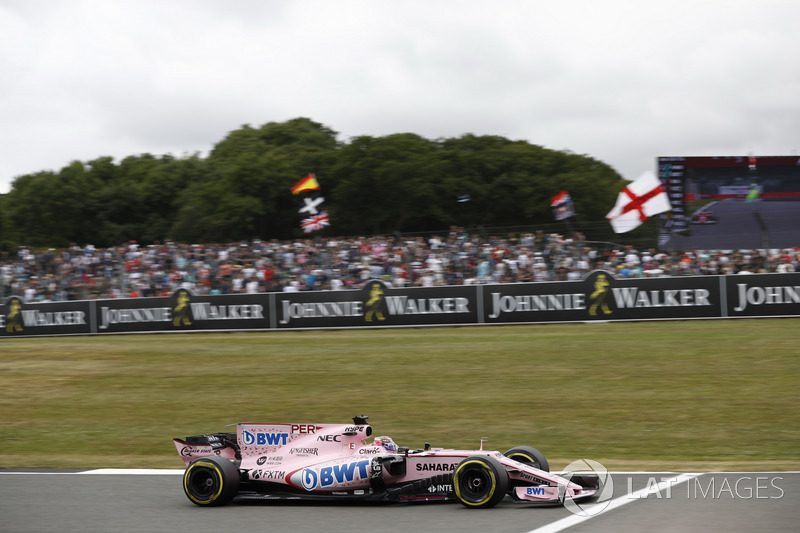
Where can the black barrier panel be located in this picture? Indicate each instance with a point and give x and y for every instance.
(183, 311)
(763, 294)
(602, 297)
(18, 319)
(377, 304)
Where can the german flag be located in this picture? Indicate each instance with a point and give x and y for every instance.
(309, 183)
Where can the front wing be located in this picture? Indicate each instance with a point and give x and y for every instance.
(550, 495)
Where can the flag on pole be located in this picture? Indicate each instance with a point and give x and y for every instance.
(753, 193)
(309, 183)
(317, 217)
(562, 205)
(637, 202)
(315, 222)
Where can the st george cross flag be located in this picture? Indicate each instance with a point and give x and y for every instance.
(637, 202)
(315, 222)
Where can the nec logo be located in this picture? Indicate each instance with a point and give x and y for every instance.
(330, 438)
(264, 439)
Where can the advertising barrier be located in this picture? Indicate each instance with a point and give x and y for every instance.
(598, 297)
(378, 305)
(602, 297)
(182, 311)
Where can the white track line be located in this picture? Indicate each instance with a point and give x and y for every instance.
(133, 471)
(172, 472)
(573, 520)
(100, 471)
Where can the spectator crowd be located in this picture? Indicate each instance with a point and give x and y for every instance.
(456, 258)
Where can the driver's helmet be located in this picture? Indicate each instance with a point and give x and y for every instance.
(385, 442)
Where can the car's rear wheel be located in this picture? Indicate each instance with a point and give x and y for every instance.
(529, 456)
(211, 481)
(480, 481)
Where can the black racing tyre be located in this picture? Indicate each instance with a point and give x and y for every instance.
(528, 456)
(211, 481)
(480, 482)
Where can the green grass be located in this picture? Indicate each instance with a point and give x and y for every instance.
(676, 395)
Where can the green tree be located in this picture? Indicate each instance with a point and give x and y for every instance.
(44, 208)
(372, 185)
(245, 191)
(386, 184)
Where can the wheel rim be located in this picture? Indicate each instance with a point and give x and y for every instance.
(475, 484)
(203, 483)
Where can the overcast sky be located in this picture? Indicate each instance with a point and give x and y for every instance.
(620, 81)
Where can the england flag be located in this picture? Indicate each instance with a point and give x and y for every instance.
(637, 202)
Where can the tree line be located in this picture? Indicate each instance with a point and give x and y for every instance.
(372, 185)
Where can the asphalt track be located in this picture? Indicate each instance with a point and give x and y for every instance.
(738, 227)
(139, 501)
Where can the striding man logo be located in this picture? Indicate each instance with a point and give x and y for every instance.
(597, 299)
(14, 316)
(182, 312)
(373, 309)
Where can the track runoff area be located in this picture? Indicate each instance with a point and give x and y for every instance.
(629, 501)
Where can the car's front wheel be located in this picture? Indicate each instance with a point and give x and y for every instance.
(480, 481)
(211, 481)
(529, 456)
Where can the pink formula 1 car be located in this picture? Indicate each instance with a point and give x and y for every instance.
(330, 461)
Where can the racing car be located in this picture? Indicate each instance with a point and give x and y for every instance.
(704, 216)
(342, 461)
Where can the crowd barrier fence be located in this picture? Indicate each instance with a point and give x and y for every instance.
(598, 297)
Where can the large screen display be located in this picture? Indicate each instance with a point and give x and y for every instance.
(729, 203)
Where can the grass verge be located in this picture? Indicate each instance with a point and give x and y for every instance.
(681, 396)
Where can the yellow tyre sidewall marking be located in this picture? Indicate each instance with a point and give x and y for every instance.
(216, 471)
(487, 469)
(528, 458)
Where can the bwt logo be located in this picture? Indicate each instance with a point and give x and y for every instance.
(332, 475)
(264, 439)
(535, 491)
(309, 479)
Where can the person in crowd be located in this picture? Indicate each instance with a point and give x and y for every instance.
(136, 270)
